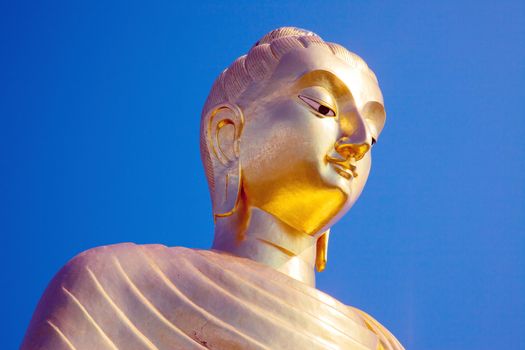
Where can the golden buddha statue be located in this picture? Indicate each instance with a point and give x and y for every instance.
(286, 137)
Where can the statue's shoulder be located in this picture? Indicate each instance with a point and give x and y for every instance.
(117, 260)
(120, 249)
(96, 289)
(88, 269)
(104, 257)
(386, 339)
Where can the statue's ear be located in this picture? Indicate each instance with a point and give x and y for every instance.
(321, 256)
(223, 133)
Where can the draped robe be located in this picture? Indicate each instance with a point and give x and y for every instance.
(129, 296)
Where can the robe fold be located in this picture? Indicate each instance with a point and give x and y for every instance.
(129, 296)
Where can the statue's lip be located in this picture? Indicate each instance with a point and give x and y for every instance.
(346, 173)
(343, 167)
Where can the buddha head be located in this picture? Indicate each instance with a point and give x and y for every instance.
(288, 129)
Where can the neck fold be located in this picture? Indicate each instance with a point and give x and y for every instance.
(259, 236)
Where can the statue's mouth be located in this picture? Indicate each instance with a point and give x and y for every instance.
(343, 167)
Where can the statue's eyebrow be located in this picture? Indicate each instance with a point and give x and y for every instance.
(327, 79)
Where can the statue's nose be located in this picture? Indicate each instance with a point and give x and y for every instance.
(355, 137)
(347, 149)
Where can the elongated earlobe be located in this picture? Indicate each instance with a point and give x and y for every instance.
(321, 256)
(223, 133)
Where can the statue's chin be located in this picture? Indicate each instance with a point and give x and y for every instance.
(310, 212)
(334, 176)
(310, 198)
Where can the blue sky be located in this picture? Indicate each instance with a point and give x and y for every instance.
(99, 116)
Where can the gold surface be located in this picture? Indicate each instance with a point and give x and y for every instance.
(288, 151)
(286, 139)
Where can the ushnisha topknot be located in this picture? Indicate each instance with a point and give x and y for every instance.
(258, 64)
(283, 32)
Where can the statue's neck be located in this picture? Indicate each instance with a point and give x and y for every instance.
(259, 236)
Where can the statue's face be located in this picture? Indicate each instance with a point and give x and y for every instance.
(305, 147)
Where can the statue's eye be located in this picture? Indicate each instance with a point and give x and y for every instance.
(318, 107)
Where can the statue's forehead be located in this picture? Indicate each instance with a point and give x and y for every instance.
(299, 62)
